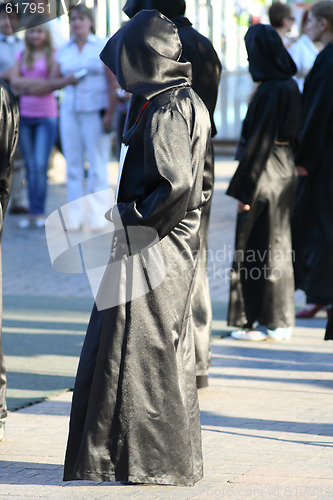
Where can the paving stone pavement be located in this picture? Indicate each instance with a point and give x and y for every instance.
(266, 416)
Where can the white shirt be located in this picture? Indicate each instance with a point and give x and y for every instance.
(304, 53)
(9, 47)
(58, 36)
(91, 92)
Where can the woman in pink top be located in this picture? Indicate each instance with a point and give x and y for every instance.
(39, 112)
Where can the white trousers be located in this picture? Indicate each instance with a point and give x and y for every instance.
(82, 134)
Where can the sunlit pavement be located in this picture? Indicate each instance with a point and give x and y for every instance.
(266, 415)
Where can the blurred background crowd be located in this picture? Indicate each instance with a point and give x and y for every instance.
(224, 23)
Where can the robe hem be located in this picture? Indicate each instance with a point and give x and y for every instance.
(101, 476)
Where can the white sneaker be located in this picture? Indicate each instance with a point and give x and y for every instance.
(278, 334)
(24, 223)
(253, 335)
(39, 223)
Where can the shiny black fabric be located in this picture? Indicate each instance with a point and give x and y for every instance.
(169, 8)
(262, 282)
(273, 115)
(313, 214)
(142, 72)
(329, 326)
(261, 287)
(197, 49)
(9, 117)
(268, 59)
(135, 414)
(206, 66)
(206, 73)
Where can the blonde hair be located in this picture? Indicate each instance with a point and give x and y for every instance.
(28, 56)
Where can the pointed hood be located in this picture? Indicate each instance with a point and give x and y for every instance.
(169, 8)
(268, 58)
(145, 54)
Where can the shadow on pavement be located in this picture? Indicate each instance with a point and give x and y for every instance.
(31, 473)
(34, 344)
(272, 357)
(37, 388)
(42, 340)
(318, 383)
(267, 425)
(284, 426)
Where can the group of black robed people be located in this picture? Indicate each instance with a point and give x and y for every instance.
(125, 447)
(135, 414)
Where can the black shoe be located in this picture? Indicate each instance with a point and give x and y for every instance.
(202, 381)
(2, 429)
(18, 210)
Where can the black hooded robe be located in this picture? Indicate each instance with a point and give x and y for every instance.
(9, 116)
(135, 414)
(262, 284)
(313, 213)
(206, 73)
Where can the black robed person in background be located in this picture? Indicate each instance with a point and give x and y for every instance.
(262, 284)
(313, 214)
(9, 117)
(206, 72)
(135, 414)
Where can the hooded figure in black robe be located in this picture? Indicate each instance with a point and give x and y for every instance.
(206, 72)
(135, 414)
(9, 116)
(262, 284)
(313, 214)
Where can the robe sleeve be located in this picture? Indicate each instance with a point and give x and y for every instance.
(317, 119)
(256, 143)
(167, 172)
